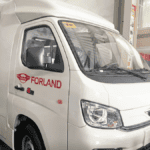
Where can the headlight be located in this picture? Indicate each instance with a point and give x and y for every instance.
(100, 116)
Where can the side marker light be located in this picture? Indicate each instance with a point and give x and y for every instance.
(59, 101)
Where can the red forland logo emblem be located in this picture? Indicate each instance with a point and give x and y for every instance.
(23, 77)
(39, 81)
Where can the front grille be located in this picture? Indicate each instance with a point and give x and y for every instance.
(147, 147)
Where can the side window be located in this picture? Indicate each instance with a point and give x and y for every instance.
(40, 50)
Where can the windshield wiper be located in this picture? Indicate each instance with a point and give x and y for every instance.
(143, 70)
(114, 66)
(133, 73)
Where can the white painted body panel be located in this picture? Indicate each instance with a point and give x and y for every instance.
(82, 87)
(27, 10)
(88, 138)
(128, 96)
(8, 26)
(135, 116)
(52, 126)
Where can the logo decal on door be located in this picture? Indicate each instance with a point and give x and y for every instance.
(39, 81)
(23, 77)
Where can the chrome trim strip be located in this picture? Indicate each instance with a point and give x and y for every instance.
(135, 127)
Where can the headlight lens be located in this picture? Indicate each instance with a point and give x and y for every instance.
(100, 116)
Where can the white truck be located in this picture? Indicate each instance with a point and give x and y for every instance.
(69, 81)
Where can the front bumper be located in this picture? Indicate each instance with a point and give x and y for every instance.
(88, 138)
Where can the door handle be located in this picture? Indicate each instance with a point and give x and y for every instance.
(19, 88)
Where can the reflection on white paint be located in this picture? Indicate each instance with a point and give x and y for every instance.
(41, 57)
(4, 1)
(97, 142)
(99, 7)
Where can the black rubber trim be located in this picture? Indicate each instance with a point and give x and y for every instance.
(136, 127)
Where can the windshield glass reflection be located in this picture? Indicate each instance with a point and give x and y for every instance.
(97, 48)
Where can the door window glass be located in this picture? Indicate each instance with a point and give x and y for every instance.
(41, 51)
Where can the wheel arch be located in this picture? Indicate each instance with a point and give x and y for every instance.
(21, 121)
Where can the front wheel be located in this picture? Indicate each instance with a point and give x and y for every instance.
(28, 139)
(27, 143)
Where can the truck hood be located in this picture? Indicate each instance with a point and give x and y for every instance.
(128, 96)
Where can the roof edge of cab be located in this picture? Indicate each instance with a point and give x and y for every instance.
(27, 10)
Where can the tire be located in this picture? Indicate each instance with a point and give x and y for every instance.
(28, 139)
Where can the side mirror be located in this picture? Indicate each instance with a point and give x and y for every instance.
(38, 57)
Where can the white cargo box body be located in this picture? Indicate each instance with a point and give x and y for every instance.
(50, 99)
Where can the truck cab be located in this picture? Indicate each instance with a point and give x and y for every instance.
(69, 81)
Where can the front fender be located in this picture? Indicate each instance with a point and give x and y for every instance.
(50, 124)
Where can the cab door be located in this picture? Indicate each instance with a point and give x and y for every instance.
(42, 81)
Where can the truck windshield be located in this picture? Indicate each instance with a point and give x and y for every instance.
(97, 48)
